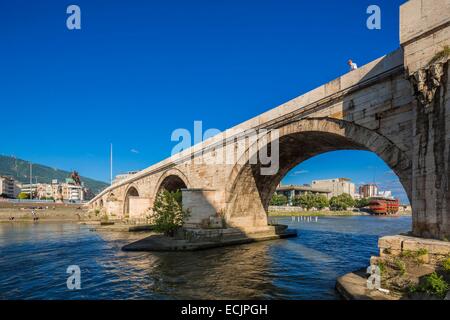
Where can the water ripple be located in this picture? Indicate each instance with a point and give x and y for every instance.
(34, 259)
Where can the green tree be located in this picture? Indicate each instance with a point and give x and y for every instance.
(320, 201)
(361, 203)
(23, 195)
(168, 213)
(309, 201)
(278, 200)
(306, 201)
(341, 202)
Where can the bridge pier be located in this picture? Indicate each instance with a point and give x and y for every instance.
(424, 33)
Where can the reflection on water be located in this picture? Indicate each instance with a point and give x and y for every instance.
(34, 259)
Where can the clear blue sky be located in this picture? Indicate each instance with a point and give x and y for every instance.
(149, 67)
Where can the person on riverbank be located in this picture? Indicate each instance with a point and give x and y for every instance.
(35, 217)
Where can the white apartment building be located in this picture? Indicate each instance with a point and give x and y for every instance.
(337, 186)
(72, 192)
(9, 187)
(368, 190)
(55, 190)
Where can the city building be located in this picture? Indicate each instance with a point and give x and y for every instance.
(337, 186)
(292, 191)
(368, 190)
(72, 192)
(29, 188)
(67, 191)
(9, 187)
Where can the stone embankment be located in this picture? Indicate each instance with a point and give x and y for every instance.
(22, 212)
(200, 239)
(410, 268)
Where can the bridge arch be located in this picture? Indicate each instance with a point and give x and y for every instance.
(131, 191)
(171, 180)
(249, 193)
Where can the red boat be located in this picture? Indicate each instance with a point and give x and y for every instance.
(383, 205)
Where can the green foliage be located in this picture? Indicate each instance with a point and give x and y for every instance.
(306, 201)
(309, 201)
(446, 265)
(23, 195)
(401, 266)
(415, 255)
(407, 254)
(168, 213)
(422, 252)
(434, 285)
(320, 202)
(278, 200)
(341, 202)
(382, 267)
(361, 203)
(443, 54)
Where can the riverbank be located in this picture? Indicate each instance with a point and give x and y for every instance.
(314, 213)
(327, 213)
(22, 212)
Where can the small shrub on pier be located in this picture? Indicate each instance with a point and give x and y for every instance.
(168, 213)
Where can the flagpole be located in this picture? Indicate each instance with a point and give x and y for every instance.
(31, 181)
(111, 164)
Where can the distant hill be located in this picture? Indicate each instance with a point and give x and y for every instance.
(20, 170)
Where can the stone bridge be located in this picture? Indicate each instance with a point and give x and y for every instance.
(396, 106)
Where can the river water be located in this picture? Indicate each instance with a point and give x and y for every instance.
(34, 260)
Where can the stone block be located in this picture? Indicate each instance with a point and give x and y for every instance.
(390, 245)
(434, 247)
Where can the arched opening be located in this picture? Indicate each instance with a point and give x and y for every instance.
(131, 192)
(172, 183)
(101, 203)
(250, 192)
